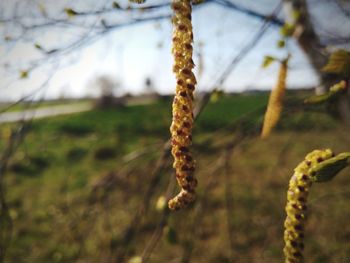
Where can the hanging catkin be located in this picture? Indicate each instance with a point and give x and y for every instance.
(318, 166)
(297, 195)
(274, 107)
(181, 127)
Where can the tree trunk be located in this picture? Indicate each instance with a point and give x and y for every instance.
(310, 43)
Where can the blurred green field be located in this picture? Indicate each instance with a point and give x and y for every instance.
(76, 183)
(30, 105)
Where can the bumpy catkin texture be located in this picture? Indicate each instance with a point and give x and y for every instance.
(274, 107)
(296, 207)
(181, 127)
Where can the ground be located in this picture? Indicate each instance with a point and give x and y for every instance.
(85, 187)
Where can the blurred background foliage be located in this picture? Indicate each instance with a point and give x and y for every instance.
(76, 184)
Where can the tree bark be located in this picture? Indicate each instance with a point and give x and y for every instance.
(316, 53)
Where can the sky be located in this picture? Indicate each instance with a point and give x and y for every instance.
(131, 54)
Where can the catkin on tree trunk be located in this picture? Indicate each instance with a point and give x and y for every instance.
(181, 127)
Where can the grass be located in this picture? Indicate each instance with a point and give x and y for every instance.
(75, 183)
(10, 107)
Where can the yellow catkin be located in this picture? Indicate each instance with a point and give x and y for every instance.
(274, 107)
(296, 207)
(181, 127)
